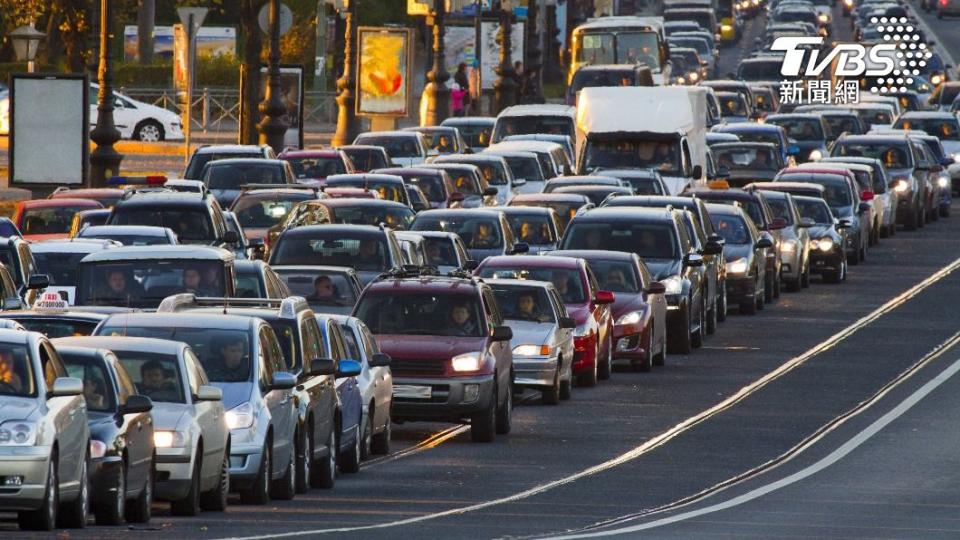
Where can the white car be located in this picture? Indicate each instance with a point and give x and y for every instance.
(405, 148)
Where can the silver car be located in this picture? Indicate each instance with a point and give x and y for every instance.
(542, 336)
(185, 422)
(794, 241)
(375, 381)
(44, 437)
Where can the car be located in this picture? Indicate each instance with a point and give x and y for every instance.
(734, 107)
(60, 259)
(142, 276)
(445, 251)
(196, 218)
(242, 357)
(794, 241)
(366, 157)
(9, 228)
(327, 289)
(138, 120)
(442, 139)
(485, 232)
(368, 249)
(17, 257)
(642, 181)
(760, 69)
(523, 166)
(747, 162)
(405, 148)
(936, 159)
(88, 218)
(435, 183)
(130, 235)
(105, 196)
(769, 133)
(585, 302)
(450, 350)
(418, 199)
(567, 205)
(121, 434)
(881, 189)
(225, 178)
(597, 179)
(537, 227)
(310, 211)
(659, 237)
(744, 256)
(54, 318)
(495, 171)
(554, 160)
(414, 249)
(542, 336)
(375, 382)
(470, 187)
(943, 125)
(828, 236)
(726, 85)
(396, 215)
(537, 118)
(703, 43)
(565, 142)
(863, 175)
(46, 437)
(190, 430)
(592, 75)
(596, 194)
(809, 131)
(354, 439)
(388, 186)
(639, 309)
(207, 153)
(256, 279)
(314, 166)
(696, 67)
(766, 98)
(49, 219)
(475, 130)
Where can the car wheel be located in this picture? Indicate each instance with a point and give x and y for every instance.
(722, 302)
(142, 508)
(776, 288)
(149, 131)
(215, 500)
(74, 513)
(285, 488)
(661, 359)
(45, 517)
(679, 340)
(805, 277)
(712, 318)
(325, 472)
(259, 492)
(646, 363)
(505, 412)
(793, 285)
(366, 441)
(863, 252)
(760, 298)
(604, 368)
(696, 337)
(885, 231)
(566, 386)
(483, 425)
(589, 379)
(111, 512)
(768, 288)
(551, 394)
(350, 461)
(380, 444)
(304, 460)
(190, 504)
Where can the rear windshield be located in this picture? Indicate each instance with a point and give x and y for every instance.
(648, 240)
(155, 375)
(316, 167)
(234, 175)
(731, 228)
(422, 314)
(567, 280)
(442, 141)
(780, 209)
(145, 283)
(431, 185)
(198, 161)
(737, 158)
(492, 173)
(192, 226)
(760, 71)
(600, 77)
(616, 276)
(893, 155)
(389, 191)
(332, 249)
(818, 211)
(842, 124)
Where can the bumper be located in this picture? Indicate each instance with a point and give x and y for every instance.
(104, 473)
(244, 463)
(31, 463)
(740, 289)
(821, 262)
(534, 370)
(629, 341)
(174, 473)
(584, 354)
(790, 264)
(174, 133)
(905, 208)
(449, 399)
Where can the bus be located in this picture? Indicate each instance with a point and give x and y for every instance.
(621, 40)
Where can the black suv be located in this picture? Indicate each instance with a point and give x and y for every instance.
(206, 154)
(197, 218)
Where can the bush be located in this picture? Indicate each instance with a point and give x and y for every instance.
(8, 68)
(216, 71)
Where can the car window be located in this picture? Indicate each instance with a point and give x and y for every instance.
(97, 388)
(525, 303)
(16, 371)
(125, 386)
(312, 340)
(422, 313)
(350, 342)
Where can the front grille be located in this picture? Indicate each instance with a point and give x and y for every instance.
(400, 367)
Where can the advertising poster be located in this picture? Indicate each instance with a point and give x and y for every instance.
(383, 75)
(211, 41)
(490, 50)
(291, 92)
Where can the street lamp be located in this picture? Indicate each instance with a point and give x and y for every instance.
(26, 42)
(104, 160)
(505, 87)
(347, 126)
(532, 91)
(436, 92)
(273, 127)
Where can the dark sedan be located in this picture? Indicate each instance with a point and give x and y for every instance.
(744, 253)
(827, 238)
(485, 233)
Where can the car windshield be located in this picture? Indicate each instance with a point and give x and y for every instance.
(199, 160)
(623, 153)
(234, 175)
(16, 371)
(731, 228)
(566, 210)
(441, 252)
(527, 168)
(945, 129)
(320, 288)
(492, 173)
(396, 147)
(800, 129)
(144, 283)
(316, 166)
(366, 252)
(567, 280)
(780, 209)
(476, 135)
(733, 105)
(422, 314)
(476, 232)
(535, 123)
(366, 159)
(61, 267)
(760, 71)
(616, 276)
(736, 158)
(893, 155)
(56, 327)
(534, 229)
(55, 220)
(648, 240)
(224, 354)
(397, 218)
(257, 213)
(443, 141)
(763, 100)
(837, 193)
(388, 191)
(155, 375)
(645, 186)
(817, 210)
(523, 303)
(191, 226)
(97, 388)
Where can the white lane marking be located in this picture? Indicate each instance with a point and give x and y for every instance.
(656, 441)
(835, 456)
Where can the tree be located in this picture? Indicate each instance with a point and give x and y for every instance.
(145, 20)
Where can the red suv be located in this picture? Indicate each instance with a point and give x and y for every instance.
(586, 304)
(452, 359)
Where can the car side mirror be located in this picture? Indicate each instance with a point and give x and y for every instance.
(230, 237)
(806, 223)
(283, 381)
(380, 360)
(946, 162)
(137, 404)
(656, 287)
(867, 196)
(517, 182)
(764, 243)
(713, 248)
(693, 259)
(470, 265)
(66, 386)
(456, 197)
(490, 191)
(208, 393)
(863, 208)
(349, 368)
(793, 150)
(38, 281)
(843, 224)
(521, 247)
(697, 171)
(10, 304)
(716, 238)
(323, 366)
(502, 333)
(603, 298)
(777, 224)
(936, 167)
(567, 323)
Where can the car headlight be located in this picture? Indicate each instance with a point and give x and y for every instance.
(532, 350)
(956, 157)
(815, 155)
(788, 246)
(674, 284)
(936, 79)
(823, 17)
(825, 244)
(943, 181)
(902, 185)
(630, 318)
(738, 266)
(848, 3)
(467, 361)
(241, 416)
(681, 80)
(98, 449)
(693, 76)
(170, 439)
(18, 433)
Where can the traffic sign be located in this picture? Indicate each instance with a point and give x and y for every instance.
(286, 18)
(199, 13)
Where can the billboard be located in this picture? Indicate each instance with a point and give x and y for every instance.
(383, 71)
(291, 93)
(211, 41)
(490, 50)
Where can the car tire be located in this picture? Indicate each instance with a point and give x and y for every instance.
(142, 508)
(366, 434)
(768, 288)
(697, 337)
(921, 216)
(148, 131)
(380, 443)
(505, 412)
(45, 517)
(325, 472)
(910, 223)
(862, 255)
(885, 231)
(285, 487)
(566, 386)
(604, 368)
(776, 288)
(680, 344)
(483, 425)
(722, 302)
(944, 211)
(589, 379)
(712, 318)
(190, 504)
(793, 285)
(259, 492)
(111, 512)
(805, 277)
(350, 461)
(304, 460)
(760, 298)
(215, 500)
(74, 513)
(646, 364)
(551, 394)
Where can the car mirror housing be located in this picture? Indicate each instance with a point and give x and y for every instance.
(806, 223)
(489, 192)
(348, 368)
(323, 366)
(208, 393)
(470, 265)
(604, 297)
(693, 259)
(283, 381)
(137, 404)
(843, 224)
(380, 360)
(519, 182)
(713, 248)
(67, 386)
(764, 243)
(38, 281)
(567, 323)
(656, 287)
(502, 333)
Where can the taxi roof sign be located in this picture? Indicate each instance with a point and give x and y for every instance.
(51, 302)
(719, 184)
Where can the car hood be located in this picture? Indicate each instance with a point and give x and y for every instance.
(17, 408)
(732, 252)
(580, 313)
(897, 173)
(664, 268)
(428, 347)
(626, 303)
(234, 393)
(168, 415)
(480, 254)
(530, 332)
(820, 231)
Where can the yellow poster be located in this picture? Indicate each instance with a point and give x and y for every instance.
(383, 71)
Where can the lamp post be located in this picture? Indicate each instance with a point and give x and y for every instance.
(505, 87)
(273, 127)
(552, 71)
(26, 42)
(104, 160)
(532, 87)
(347, 125)
(436, 92)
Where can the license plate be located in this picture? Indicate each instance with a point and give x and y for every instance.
(412, 392)
(820, 263)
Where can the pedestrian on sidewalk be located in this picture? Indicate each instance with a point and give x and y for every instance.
(458, 100)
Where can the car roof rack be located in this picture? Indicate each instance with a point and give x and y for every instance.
(409, 271)
(186, 186)
(288, 306)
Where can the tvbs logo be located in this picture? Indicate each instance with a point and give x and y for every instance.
(852, 60)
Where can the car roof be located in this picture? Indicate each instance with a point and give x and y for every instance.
(229, 149)
(318, 268)
(492, 212)
(520, 283)
(728, 209)
(662, 200)
(393, 133)
(732, 193)
(784, 186)
(549, 197)
(468, 120)
(525, 145)
(245, 161)
(438, 234)
(626, 213)
(734, 145)
(73, 245)
(19, 337)
(484, 156)
(368, 177)
(309, 230)
(162, 197)
(398, 171)
(526, 210)
(746, 126)
(875, 138)
(453, 284)
(325, 152)
(60, 202)
(179, 252)
(539, 109)
(595, 254)
(125, 230)
(73, 312)
(185, 319)
(532, 261)
(125, 343)
(375, 203)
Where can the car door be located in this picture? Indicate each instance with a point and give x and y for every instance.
(320, 388)
(500, 349)
(380, 376)
(125, 116)
(139, 430)
(209, 415)
(69, 415)
(564, 335)
(279, 402)
(601, 312)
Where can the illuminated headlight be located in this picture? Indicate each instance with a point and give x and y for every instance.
(681, 80)
(241, 416)
(694, 76)
(902, 185)
(532, 350)
(848, 3)
(739, 266)
(633, 317)
(815, 155)
(789, 246)
(169, 439)
(936, 79)
(18, 433)
(674, 284)
(97, 449)
(467, 362)
(823, 17)
(956, 158)
(278, 211)
(825, 244)
(943, 181)
(726, 27)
